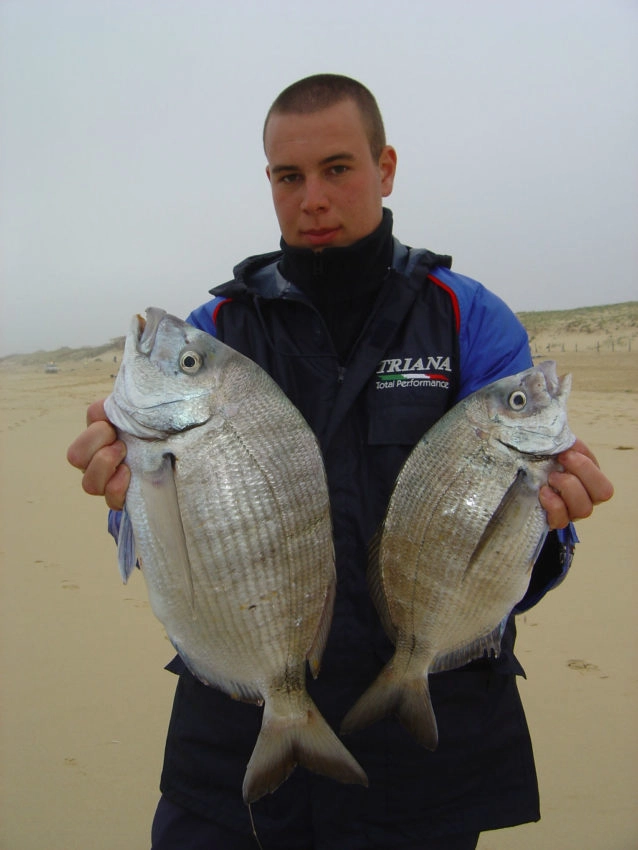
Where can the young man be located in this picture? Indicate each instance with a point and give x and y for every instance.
(340, 302)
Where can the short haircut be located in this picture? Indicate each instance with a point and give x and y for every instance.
(324, 90)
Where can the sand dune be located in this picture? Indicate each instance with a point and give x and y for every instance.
(85, 701)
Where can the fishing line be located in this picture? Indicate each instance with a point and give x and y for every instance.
(252, 826)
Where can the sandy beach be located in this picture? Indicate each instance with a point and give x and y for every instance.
(85, 701)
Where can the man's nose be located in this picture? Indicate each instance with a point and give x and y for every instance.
(314, 196)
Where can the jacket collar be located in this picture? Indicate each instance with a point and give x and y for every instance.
(260, 275)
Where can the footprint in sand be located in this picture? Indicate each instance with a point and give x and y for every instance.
(136, 603)
(585, 667)
(71, 762)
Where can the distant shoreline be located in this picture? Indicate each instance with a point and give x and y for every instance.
(612, 326)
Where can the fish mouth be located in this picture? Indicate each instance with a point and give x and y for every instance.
(556, 436)
(145, 329)
(558, 388)
(547, 432)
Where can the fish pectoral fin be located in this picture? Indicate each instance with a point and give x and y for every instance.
(508, 518)
(159, 492)
(126, 556)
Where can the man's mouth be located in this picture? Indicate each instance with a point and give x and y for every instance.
(320, 236)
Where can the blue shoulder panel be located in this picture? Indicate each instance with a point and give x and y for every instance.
(203, 317)
(492, 341)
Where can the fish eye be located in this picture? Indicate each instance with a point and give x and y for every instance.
(517, 400)
(190, 362)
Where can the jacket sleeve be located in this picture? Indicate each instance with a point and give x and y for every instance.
(493, 344)
(551, 567)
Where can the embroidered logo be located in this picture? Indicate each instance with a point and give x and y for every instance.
(405, 372)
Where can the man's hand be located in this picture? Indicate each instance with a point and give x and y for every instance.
(573, 493)
(99, 454)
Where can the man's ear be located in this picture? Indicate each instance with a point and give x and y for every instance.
(387, 169)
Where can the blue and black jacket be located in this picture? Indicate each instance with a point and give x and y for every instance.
(433, 337)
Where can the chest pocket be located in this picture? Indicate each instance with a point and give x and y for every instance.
(402, 423)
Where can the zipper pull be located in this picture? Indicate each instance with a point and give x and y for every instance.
(341, 374)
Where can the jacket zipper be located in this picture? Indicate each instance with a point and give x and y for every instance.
(341, 369)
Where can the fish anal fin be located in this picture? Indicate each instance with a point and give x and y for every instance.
(487, 645)
(323, 629)
(377, 589)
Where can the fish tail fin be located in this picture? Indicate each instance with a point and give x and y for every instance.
(407, 698)
(307, 741)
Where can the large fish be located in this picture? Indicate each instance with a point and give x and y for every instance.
(461, 533)
(228, 515)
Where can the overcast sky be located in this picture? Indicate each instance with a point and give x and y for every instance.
(132, 173)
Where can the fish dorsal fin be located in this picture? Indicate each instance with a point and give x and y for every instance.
(241, 691)
(486, 645)
(508, 517)
(377, 590)
(537, 552)
(159, 492)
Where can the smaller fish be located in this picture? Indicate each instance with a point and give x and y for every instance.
(461, 534)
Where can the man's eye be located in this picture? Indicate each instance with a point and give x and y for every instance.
(289, 178)
(339, 169)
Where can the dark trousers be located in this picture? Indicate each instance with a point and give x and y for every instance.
(175, 828)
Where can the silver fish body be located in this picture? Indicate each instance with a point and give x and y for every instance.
(228, 515)
(461, 534)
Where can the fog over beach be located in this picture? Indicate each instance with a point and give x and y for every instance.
(132, 169)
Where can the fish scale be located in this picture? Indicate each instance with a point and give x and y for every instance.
(256, 583)
(459, 539)
(228, 513)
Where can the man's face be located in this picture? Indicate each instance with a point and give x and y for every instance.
(326, 187)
